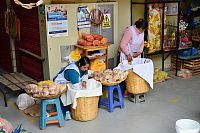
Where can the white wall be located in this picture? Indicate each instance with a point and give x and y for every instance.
(124, 16)
(122, 20)
(51, 45)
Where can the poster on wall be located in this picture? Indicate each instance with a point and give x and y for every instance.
(106, 21)
(57, 20)
(83, 17)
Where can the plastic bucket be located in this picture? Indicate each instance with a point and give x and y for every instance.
(187, 126)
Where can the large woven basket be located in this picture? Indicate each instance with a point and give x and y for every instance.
(135, 84)
(86, 109)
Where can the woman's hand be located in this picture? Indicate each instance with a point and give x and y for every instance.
(136, 54)
(129, 57)
(84, 84)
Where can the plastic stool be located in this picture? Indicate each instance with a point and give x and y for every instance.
(55, 117)
(110, 102)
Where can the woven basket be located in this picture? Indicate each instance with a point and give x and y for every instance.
(135, 84)
(86, 109)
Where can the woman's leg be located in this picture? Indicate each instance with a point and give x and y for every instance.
(64, 108)
(66, 111)
(123, 87)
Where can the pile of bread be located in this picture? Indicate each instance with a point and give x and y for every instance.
(92, 40)
(110, 76)
(45, 89)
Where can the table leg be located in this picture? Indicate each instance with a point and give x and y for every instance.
(5, 100)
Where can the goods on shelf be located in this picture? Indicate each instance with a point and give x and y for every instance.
(97, 65)
(75, 54)
(95, 52)
(159, 75)
(185, 73)
(92, 40)
(191, 63)
(45, 89)
(146, 44)
(110, 77)
(195, 34)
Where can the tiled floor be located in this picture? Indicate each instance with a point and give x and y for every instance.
(167, 102)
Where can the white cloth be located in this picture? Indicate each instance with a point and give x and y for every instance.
(141, 66)
(124, 66)
(94, 88)
(144, 68)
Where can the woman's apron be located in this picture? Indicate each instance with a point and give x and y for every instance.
(134, 46)
(60, 77)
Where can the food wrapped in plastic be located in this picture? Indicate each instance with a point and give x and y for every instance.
(45, 89)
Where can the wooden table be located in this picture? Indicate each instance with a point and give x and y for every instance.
(13, 83)
(87, 49)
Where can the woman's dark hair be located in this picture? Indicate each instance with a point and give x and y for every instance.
(141, 24)
(83, 61)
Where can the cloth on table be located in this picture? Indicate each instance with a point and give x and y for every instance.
(141, 66)
(94, 88)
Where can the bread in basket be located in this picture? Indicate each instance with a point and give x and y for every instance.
(110, 77)
(45, 90)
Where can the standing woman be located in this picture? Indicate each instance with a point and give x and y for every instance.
(132, 42)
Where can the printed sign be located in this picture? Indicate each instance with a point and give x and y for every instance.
(57, 20)
(83, 18)
(106, 21)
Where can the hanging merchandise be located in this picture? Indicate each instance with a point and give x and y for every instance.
(11, 23)
(30, 5)
(97, 65)
(96, 16)
(154, 29)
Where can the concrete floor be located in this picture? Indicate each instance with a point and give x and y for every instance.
(167, 102)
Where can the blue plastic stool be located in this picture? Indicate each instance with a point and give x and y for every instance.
(55, 117)
(110, 102)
